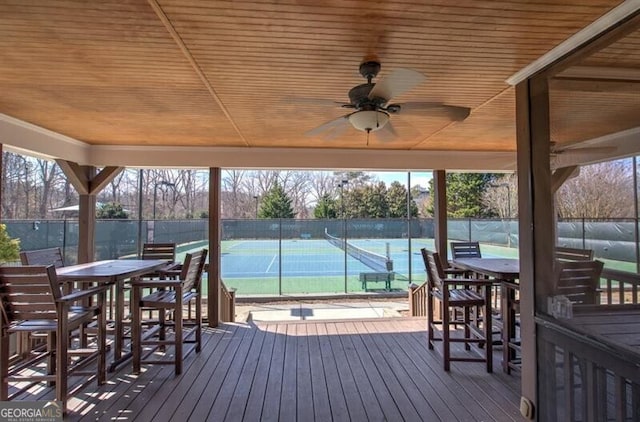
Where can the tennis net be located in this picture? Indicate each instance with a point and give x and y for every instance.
(370, 259)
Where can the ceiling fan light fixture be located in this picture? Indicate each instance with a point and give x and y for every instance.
(368, 120)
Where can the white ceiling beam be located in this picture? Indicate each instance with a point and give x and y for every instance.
(303, 158)
(26, 138)
(601, 25)
(601, 72)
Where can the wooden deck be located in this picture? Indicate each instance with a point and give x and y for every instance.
(377, 369)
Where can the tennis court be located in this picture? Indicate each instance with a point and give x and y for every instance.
(299, 258)
(302, 266)
(299, 266)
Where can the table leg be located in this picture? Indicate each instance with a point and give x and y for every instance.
(509, 326)
(488, 330)
(119, 329)
(505, 315)
(118, 336)
(119, 356)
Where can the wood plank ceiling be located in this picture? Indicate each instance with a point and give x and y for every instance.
(262, 73)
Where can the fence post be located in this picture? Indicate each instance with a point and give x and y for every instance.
(411, 290)
(636, 232)
(280, 258)
(232, 305)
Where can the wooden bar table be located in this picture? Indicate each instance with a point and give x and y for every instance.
(114, 272)
(618, 324)
(506, 272)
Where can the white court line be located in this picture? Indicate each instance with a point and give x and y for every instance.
(237, 244)
(271, 263)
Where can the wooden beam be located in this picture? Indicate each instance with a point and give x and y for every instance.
(88, 183)
(79, 177)
(560, 176)
(215, 248)
(1, 173)
(76, 175)
(536, 223)
(525, 224)
(440, 211)
(103, 178)
(86, 228)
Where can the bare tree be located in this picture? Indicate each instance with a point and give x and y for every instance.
(297, 187)
(200, 192)
(250, 185)
(14, 170)
(114, 188)
(322, 183)
(501, 196)
(188, 185)
(176, 193)
(232, 183)
(160, 192)
(69, 196)
(48, 173)
(265, 180)
(128, 194)
(603, 190)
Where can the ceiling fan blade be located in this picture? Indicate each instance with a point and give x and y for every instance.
(586, 150)
(453, 112)
(396, 83)
(387, 133)
(330, 129)
(336, 132)
(580, 156)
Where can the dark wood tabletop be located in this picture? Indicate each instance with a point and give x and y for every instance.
(110, 270)
(616, 324)
(498, 268)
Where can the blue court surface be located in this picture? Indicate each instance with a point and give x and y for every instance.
(309, 258)
(318, 257)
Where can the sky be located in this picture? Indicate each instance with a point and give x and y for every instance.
(417, 177)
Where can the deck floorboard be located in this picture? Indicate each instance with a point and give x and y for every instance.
(342, 370)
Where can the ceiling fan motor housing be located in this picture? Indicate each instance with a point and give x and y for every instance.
(369, 69)
(359, 97)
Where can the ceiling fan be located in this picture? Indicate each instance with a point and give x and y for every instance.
(373, 109)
